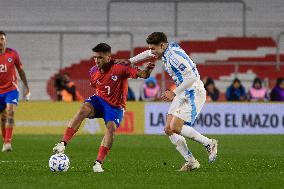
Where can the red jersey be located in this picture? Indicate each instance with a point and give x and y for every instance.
(9, 60)
(112, 85)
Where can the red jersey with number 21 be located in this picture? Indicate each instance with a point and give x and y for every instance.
(112, 85)
(9, 60)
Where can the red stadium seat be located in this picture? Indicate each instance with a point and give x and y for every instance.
(80, 71)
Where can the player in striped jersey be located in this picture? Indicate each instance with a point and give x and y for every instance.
(186, 100)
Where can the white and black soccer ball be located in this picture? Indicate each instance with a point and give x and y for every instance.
(59, 163)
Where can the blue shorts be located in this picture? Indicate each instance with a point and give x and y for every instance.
(105, 111)
(11, 97)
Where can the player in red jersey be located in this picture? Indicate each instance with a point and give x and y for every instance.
(9, 92)
(110, 82)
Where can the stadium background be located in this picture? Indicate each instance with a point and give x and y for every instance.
(226, 39)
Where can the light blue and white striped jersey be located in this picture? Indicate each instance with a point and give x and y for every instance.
(178, 64)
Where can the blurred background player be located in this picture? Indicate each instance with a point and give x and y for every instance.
(257, 92)
(58, 85)
(110, 82)
(236, 91)
(187, 99)
(9, 91)
(212, 92)
(150, 90)
(277, 93)
(69, 92)
(66, 89)
(130, 95)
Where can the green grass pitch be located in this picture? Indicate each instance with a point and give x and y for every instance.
(244, 161)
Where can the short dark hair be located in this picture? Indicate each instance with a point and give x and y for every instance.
(2, 33)
(236, 80)
(156, 38)
(102, 47)
(255, 81)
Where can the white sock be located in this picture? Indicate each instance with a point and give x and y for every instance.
(181, 146)
(174, 138)
(194, 135)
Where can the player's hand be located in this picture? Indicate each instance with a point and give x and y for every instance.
(150, 66)
(27, 96)
(168, 96)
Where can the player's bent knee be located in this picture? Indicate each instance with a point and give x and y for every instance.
(175, 128)
(10, 113)
(168, 131)
(110, 133)
(172, 127)
(10, 121)
(85, 111)
(111, 128)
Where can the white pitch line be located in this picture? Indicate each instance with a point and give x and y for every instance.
(23, 161)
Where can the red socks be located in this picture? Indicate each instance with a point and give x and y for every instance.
(103, 151)
(69, 132)
(8, 135)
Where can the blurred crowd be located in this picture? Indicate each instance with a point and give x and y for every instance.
(237, 92)
(66, 89)
(151, 91)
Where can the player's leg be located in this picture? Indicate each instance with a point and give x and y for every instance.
(178, 140)
(85, 111)
(7, 147)
(105, 146)
(186, 115)
(178, 126)
(187, 131)
(112, 117)
(3, 114)
(191, 163)
(109, 134)
(11, 99)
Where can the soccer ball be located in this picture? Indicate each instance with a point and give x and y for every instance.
(59, 163)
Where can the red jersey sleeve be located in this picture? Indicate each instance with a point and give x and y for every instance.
(17, 62)
(128, 71)
(92, 76)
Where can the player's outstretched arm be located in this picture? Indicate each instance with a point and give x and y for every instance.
(142, 56)
(147, 72)
(23, 77)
